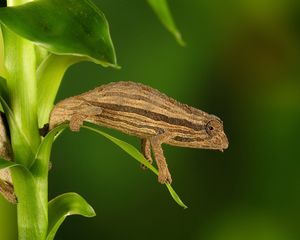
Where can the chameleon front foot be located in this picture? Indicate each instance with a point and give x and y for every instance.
(76, 122)
(164, 175)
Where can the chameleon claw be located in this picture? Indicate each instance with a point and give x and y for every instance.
(164, 177)
(144, 167)
(74, 128)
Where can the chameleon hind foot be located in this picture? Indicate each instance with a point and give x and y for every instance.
(146, 151)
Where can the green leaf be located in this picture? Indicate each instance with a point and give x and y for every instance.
(63, 206)
(41, 165)
(68, 27)
(6, 164)
(49, 76)
(32, 212)
(136, 154)
(40, 54)
(160, 7)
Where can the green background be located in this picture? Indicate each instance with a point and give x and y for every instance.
(241, 63)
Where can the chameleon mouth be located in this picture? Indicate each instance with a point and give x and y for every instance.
(225, 143)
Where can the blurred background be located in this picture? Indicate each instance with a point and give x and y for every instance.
(242, 63)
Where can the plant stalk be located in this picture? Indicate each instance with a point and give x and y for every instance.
(20, 63)
(21, 83)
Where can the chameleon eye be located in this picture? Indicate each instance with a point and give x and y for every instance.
(213, 126)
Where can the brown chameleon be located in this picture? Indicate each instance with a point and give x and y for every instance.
(142, 111)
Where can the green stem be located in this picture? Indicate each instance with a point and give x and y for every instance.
(31, 209)
(21, 84)
(20, 63)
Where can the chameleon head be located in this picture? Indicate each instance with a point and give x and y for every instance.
(215, 136)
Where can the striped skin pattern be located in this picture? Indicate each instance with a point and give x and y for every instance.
(142, 111)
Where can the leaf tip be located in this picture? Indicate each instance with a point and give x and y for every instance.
(179, 39)
(184, 206)
(90, 212)
(107, 64)
(175, 196)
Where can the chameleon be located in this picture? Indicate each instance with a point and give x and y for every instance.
(142, 111)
